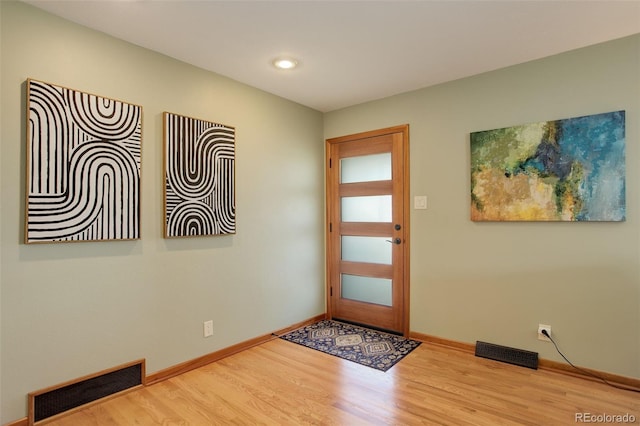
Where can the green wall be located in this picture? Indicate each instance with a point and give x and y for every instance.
(496, 282)
(72, 309)
(67, 310)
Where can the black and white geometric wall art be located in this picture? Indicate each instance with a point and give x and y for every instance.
(199, 177)
(83, 166)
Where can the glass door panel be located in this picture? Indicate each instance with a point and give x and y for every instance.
(366, 168)
(367, 289)
(366, 249)
(374, 208)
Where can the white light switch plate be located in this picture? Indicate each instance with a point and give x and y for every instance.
(420, 202)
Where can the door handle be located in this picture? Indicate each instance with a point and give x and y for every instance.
(395, 241)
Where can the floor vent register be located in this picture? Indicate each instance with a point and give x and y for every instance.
(509, 355)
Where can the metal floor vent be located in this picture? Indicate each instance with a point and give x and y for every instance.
(58, 399)
(509, 355)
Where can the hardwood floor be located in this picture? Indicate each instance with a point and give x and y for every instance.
(281, 383)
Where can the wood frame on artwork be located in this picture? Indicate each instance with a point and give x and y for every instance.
(83, 166)
(199, 177)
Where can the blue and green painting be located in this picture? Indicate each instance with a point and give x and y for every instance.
(563, 170)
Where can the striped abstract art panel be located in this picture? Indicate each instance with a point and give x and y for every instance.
(83, 166)
(199, 177)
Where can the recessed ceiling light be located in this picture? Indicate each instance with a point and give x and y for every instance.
(285, 63)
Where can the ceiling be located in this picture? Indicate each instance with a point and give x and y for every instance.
(354, 51)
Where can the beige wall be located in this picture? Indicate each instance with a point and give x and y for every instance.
(496, 282)
(73, 309)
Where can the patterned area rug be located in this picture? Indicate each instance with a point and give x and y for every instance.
(367, 347)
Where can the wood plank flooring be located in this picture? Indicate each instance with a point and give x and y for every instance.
(281, 383)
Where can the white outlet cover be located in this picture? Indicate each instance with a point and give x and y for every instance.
(542, 336)
(208, 328)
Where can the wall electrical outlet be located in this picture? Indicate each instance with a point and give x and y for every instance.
(542, 336)
(208, 328)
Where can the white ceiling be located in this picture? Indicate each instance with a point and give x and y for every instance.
(354, 51)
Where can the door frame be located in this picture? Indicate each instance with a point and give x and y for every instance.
(329, 194)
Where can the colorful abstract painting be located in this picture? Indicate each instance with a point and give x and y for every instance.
(199, 176)
(563, 170)
(83, 166)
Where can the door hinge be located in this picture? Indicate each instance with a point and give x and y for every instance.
(329, 162)
(330, 227)
(330, 291)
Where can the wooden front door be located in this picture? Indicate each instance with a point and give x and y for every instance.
(367, 228)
